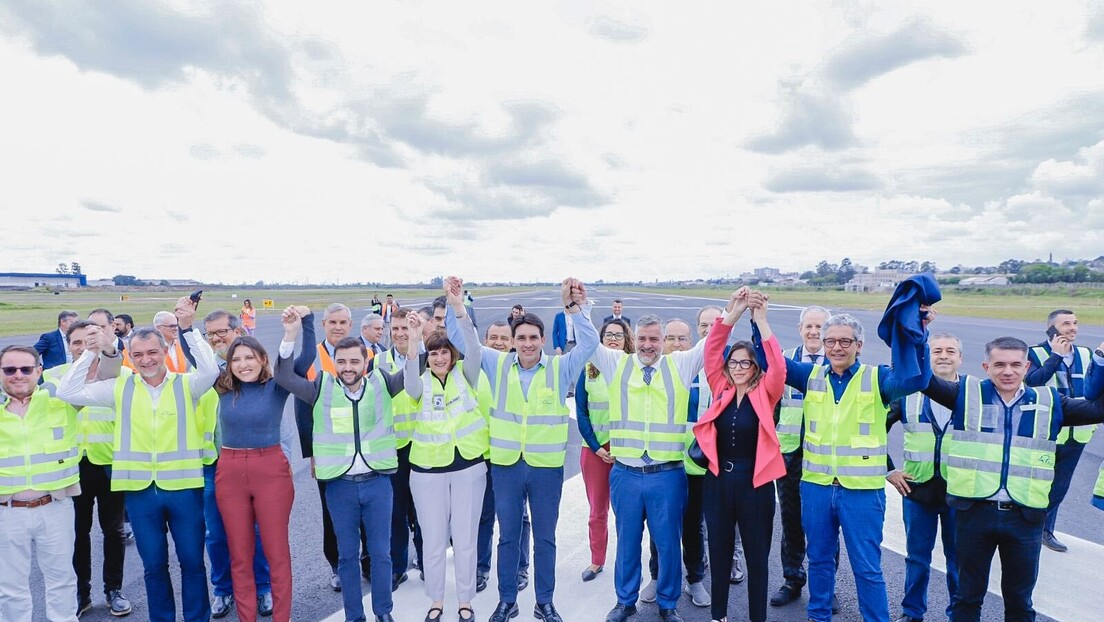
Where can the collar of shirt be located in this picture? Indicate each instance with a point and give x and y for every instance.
(1015, 398)
(354, 395)
(1068, 358)
(847, 373)
(805, 354)
(542, 362)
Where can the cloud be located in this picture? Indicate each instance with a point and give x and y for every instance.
(812, 116)
(177, 216)
(610, 29)
(253, 152)
(97, 206)
(1083, 177)
(204, 151)
(864, 59)
(841, 179)
(1094, 27)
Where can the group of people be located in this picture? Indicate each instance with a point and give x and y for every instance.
(446, 434)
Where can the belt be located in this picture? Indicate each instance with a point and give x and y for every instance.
(650, 468)
(33, 503)
(1001, 505)
(360, 477)
(729, 466)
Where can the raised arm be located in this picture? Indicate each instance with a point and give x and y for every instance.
(582, 414)
(412, 379)
(718, 337)
(309, 351)
(473, 350)
(774, 376)
(574, 295)
(1042, 371)
(287, 374)
(75, 389)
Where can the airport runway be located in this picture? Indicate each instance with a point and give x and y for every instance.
(1067, 589)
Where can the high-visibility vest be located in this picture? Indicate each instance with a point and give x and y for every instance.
(648, 418)
(39, 450)
(181, 365)
(449, 419)
(162, 444)
(790, 414)
(1082, 362)
(705, 398)
(977, 463)
(923, 446)
(207, 409)
(598, 407)
(325, 361)
(845, 441)
(336, 429)
(1098, 489)
(95, 424)
(403, 406)
(533, 429)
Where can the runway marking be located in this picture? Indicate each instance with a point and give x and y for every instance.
(1068, 587)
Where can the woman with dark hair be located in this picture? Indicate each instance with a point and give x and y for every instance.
(448, 475)
(253, 483)
(738, 439)
(592, 412)
(248, 317)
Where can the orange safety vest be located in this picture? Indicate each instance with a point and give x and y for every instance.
(181, 366)
(327, 363)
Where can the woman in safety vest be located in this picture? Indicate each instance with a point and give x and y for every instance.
(253, 482)
(248, 317)
(448, 475)
(592, 410)
(737, 436)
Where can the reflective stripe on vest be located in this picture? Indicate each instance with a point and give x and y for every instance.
(532, 428)
(450, 419)
(335, 441)
(402, 406)
(921, 442)
(1082, 362)
(648, 418)
(598, 408)
(978, 466)
(135, 468)
(790, 414)
(845, 441)
(38, 451)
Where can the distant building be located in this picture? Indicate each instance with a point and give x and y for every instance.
(101, 283)
(767, 273)
(42, 279)
(876, 281)
(992, 280)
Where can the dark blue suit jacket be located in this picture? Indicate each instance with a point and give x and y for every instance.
(559, 331)
(623, 317)
(51, 347)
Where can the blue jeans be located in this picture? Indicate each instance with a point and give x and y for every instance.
(981, 531)
(353, 505)
(542, 486)
(218, 551)
(659, 498)
(825, 510)
(1066, 457)
(921, 522)
(486, 531)
(151, 511)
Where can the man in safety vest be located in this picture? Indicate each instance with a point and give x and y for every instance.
(922, 482)
(39, 476)
(96, 436)
(161, 442)
(529, 427)
(844, 410)
(167, 324)
(649, 397)
(354, 452)
(337, 324)
(1000, 466)
(1059, 363)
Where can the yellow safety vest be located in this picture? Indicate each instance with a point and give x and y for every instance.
(335, 428)
(598, 407)
(95, 424)
(705, 398)
(164, 443)
(648, 418)
(208, 410)
(402, 406)
(790, 415)
(975, 456)
(1080, 433)
(39, 450)
(922, 445)
(533, 428)
(845, 441)
(1098, 490)
(449, 419)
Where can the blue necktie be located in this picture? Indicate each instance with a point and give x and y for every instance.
(648, 372)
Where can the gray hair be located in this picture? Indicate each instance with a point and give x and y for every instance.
(813, 309)
(233, 321)
(146, 332)
(162, 315)
(673, 321)
(947, 336)
(846, 319)
(650, 320)
(697, 319)
(496, 323)
(371, 317)
(335, 308)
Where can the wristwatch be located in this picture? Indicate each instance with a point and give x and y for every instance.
(571, 306)
(1099, 353)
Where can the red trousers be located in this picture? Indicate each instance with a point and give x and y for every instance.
(596, 474)
(254, 487)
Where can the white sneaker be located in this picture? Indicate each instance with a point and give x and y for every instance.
(698, 594)
(648, 594)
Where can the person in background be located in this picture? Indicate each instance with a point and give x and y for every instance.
(516, 312)
(388, 312)
(248, 317)
(124, 326)
(166, 323)
(51, 346)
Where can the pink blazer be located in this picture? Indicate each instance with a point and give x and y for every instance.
(764, 397)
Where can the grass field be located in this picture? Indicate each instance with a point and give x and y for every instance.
(1030, 305)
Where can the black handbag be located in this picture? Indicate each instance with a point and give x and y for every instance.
(697, 456)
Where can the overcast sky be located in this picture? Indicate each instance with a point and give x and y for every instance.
(396, 141)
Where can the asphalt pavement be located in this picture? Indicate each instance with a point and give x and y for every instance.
(1066, 589)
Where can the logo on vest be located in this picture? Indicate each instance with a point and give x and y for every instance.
(438, 402)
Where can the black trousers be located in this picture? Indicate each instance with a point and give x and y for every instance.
(95, 482)
(693, 535)
(983, 530)
(793, 536)
(731, 501)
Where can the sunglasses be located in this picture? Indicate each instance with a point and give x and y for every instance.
(10, 371)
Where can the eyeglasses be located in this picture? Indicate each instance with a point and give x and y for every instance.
(614, 336)
(742, 364)
(843, 343)
(680, 338)
(10, 371)
(167, 326)
(220, 333)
